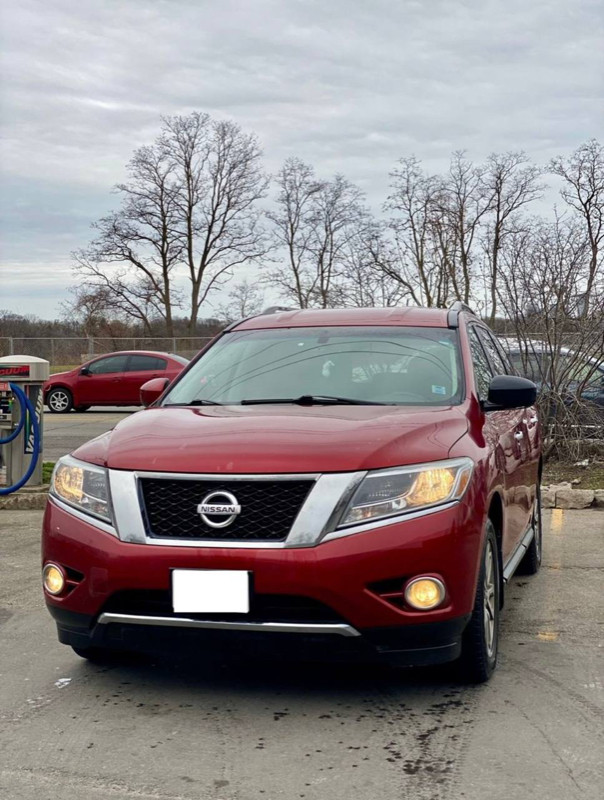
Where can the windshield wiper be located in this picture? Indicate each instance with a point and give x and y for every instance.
(311, 400)
(202, 402)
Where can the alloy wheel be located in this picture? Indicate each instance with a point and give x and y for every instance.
(490, 595)
(58, 401)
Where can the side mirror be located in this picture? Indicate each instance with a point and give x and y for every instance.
(509, 391)
(85, 371)
(152, 390)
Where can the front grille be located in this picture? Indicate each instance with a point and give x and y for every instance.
(263, 607)
(268, 508)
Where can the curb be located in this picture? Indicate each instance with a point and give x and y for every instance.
(32, 498)
(562, 495)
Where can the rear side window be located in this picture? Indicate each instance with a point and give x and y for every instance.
(106, 365)
(492, 350)
(482, 369)
(146, 364)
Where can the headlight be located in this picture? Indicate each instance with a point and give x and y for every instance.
(391, 492)
(84, 486)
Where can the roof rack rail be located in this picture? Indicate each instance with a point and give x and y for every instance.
(269, 310)
(275, 310)
(454, 312)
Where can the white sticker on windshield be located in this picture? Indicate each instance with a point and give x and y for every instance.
(438, 389)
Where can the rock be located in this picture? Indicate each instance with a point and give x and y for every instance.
(548, 497)
(563, 485)
(599, 498)
(576, 481)
(574, 498)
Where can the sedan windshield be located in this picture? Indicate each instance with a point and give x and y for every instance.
(314, 366)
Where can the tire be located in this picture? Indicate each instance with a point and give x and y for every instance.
(59, 400)
(532, 558)
(96, 655)
(81, 409)
(480, 642)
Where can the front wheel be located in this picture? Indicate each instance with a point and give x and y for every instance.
(59, 400)
(481, 636)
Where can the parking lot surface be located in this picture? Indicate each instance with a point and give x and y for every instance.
(168, 729)
(64, 432)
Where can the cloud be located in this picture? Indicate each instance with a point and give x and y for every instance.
(349, 85)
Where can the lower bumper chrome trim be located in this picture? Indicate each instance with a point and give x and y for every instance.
(334, 628)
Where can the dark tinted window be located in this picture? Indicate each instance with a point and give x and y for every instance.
(109, 364)
(146, 363)
(492, 351)
(482, 369)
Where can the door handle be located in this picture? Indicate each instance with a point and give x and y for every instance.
(518, 435)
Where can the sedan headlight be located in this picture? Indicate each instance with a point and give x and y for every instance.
(83, 486)
(390, 492)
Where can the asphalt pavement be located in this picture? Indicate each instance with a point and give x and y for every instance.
(169, 729)
(64, 432)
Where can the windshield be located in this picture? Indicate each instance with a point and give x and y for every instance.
(388, 365)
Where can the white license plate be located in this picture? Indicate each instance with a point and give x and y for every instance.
(216, 591)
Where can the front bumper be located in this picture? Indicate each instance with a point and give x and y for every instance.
(345, 575)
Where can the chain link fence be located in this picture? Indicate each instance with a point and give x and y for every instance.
(64, 351)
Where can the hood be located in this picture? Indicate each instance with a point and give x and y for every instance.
(58, 375)
(277, 439)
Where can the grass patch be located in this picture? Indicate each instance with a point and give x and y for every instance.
(591, 477)
(47, 468)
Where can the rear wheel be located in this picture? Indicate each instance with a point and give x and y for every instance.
(59, 400)
(481, 636)
(532, 558)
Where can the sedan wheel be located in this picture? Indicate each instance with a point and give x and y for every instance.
(59, 401)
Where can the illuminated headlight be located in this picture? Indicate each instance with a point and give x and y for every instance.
(83, 486)
(392, 492)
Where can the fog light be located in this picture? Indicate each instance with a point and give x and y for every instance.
(425, 594)
(53, 578)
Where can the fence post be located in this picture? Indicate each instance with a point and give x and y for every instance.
(90, 345)
(174, 344)
(11, 346)
(52, 351)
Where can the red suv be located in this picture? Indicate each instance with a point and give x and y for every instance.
(366, 479)
(114, 379)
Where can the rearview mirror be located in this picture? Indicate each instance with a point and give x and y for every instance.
(85, 371)
(509, 391)
(152, 390)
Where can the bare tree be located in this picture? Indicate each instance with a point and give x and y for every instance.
(511, 183)
(421, 239)
(365, 278)
(220, 181)
(189, 203)
(131, 261)
(583, 190)
(244, 300)
(543, 267)
(314, 223)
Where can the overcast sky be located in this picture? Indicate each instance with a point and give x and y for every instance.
(349, 85)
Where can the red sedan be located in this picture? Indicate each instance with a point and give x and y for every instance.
(113, 379)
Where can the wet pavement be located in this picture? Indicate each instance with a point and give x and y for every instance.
(235, 729)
